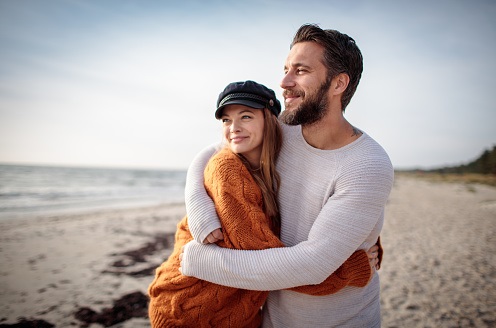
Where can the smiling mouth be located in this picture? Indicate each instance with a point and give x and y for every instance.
(237, 139)
(288, 101)
(291, 95)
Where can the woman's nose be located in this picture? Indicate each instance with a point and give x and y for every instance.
(235, 127)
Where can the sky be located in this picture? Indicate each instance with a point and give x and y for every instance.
(134, 84)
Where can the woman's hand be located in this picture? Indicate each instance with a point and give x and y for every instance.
(373, 254)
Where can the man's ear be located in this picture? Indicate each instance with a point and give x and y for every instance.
(340, 83)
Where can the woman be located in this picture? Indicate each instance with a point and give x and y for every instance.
(242, 180)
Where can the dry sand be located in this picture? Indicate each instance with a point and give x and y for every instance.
(438, 270)
(439, 266)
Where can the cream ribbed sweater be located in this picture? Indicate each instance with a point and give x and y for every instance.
(332, 203)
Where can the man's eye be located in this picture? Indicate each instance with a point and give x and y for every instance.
(246, 117)
(225, 120)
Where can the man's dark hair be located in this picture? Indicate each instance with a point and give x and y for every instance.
(341, 55)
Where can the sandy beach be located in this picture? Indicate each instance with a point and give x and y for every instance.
(93, 269)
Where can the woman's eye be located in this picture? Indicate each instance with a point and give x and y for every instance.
(225, 120)
(246, 117)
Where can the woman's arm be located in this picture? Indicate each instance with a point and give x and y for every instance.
(356, 271)
(239, 204)
(200, 209)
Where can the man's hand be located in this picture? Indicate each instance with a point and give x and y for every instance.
(214, 237)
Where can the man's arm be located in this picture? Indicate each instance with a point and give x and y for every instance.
(343, 224)
(200, 209)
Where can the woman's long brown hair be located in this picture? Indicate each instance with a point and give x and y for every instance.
(266, 176)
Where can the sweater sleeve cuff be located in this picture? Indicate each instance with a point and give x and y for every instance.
(357, 268)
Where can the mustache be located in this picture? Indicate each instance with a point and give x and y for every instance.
(292, 93)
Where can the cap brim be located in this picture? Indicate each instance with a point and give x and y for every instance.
(244, 102)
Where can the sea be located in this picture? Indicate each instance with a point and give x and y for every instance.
(28, 191)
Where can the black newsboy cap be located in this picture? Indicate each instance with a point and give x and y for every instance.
(248, 93)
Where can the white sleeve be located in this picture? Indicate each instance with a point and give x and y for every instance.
(343, 224)
(202, 217)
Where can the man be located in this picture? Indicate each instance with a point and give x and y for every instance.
(335, 181)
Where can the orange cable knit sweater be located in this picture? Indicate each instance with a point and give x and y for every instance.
(181, 301)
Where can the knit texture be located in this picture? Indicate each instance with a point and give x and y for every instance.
(332, 203)
(177, 300)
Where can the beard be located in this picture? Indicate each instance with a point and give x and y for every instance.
(310, 110)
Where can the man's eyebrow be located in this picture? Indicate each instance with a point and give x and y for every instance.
(297, 65)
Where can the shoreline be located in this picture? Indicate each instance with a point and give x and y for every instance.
(73, 270)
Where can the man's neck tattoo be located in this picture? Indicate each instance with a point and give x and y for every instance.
(356, 132)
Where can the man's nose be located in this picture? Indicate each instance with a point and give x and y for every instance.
(287, 81)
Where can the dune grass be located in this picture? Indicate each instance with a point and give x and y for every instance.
(467, 178)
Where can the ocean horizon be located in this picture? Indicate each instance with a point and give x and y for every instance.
(33, 190)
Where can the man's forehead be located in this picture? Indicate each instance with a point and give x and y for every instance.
(304, 54)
